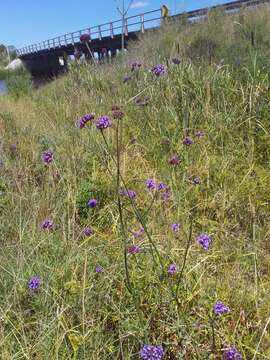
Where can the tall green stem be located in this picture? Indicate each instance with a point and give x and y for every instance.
(119, 204)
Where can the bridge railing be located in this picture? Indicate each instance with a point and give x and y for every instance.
(131, 24)
(135, 23)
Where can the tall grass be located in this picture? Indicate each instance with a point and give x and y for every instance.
(18, 81)
(78, 313)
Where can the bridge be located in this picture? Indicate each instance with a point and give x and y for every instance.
(49, 57)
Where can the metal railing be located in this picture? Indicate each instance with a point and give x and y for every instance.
(135, 23)
(111, 29)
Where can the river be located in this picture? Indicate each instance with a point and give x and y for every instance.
(3, 87)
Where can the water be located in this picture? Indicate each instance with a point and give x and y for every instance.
(3, 87)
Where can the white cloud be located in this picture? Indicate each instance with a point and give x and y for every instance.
(139, 4)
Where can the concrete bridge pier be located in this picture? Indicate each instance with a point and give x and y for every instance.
(47, 65)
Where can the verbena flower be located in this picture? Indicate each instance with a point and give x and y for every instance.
(84, 37)
(204, 240)
(151, 184)
(138, 233)
(134, 249)
(92, 203)
(220, 308)
(34, 283)
(126, 78)
(131, 194)
(98, 269)
(87, 231)
(196, 180)
(47, 225)
(187, 141)
(135, 66)
(174, 161)
(103, 122)
(199, 134)
(159, 69)
(47, 156)
(172, 269)
(162, 186)
(175, 227)
(152, 352)
(85, 119)
(231, 354)
(176, 61)
(118, 114)
(166, 196)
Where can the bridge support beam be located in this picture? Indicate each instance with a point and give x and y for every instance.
(46, 64)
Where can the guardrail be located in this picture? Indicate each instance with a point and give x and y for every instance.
(111, 29)
(135, 23)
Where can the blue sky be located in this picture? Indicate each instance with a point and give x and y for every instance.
(30, 21)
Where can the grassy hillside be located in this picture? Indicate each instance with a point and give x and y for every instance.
(181, 218)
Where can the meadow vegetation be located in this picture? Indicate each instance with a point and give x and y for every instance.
(18, 81)
(152, 231)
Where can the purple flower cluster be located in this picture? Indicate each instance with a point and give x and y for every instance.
(187, 141)
(204, 240)
(47, 156)
(159, 69)
(162, 186)
(85, 119)
(151, 184)
(131, 194)
(196, 180)
(34, 283)
(92, 203)
(134, 249)
(172, 269)
(152, 352)
(175, 227)
(87, 231)
(220, 308)
(199, 134)
(118, 114)
(84, 37)
(47, 225)
(137, 234)
(166, 196)
(231, 354)
(98, 269)
(174, 161)
(176, 61)
(126, 78)
(103, 122)
(135, 66)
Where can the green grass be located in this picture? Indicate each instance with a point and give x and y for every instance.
(18, 82)
(79, 314)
